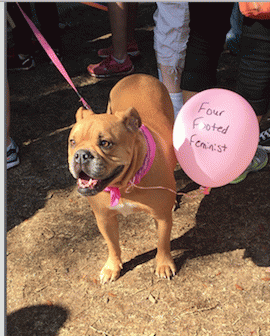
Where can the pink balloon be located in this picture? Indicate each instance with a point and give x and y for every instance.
(215, 137)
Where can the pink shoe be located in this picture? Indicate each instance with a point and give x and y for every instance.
(132, 50)
(109, 67)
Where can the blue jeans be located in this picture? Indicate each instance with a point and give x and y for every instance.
(234, 34)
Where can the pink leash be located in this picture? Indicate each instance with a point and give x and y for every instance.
(53, 56)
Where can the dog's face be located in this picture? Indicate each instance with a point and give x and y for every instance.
(100, 148)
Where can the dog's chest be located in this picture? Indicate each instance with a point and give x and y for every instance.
(125, 208)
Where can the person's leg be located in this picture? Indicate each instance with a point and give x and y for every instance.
(253, 81)
(205, 44)
(131, 21)
(118, 20)
(47, 15)
(117, 63)
(22, 34)
(12, 148)
(170, 39)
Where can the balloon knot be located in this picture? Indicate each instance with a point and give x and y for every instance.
(205, 190)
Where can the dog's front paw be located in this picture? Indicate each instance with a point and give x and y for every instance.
(165, 267)
(111, 271)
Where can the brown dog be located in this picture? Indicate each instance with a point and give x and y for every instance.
(115, 152)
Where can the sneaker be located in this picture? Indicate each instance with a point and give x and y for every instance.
(132, 50)
(110, 67)
(258, 162)
(12, 155)
(21, 63)
(265, 140)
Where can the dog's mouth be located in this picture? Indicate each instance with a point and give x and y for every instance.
(85, 181)
(89, 186)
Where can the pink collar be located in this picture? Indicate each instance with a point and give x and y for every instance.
(147, 163)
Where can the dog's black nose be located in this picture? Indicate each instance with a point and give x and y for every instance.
(82, 156)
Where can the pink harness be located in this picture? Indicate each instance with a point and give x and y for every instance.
(147, 163)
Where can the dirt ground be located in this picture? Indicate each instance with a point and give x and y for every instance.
(54, 251)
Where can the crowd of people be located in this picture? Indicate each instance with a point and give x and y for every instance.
(188, 41)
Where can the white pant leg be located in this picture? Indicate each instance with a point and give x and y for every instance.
(171, 33)
(170, 40)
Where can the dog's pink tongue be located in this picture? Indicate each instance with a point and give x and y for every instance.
(84, 181)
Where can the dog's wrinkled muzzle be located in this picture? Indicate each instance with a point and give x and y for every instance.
(90, 180)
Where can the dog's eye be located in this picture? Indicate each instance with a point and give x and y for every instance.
(72, 142)
(105, 144)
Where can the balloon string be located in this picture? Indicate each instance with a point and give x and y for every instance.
(203, 190)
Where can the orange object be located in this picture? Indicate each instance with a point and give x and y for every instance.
(255, 10)
(239, 287)
(96, 5)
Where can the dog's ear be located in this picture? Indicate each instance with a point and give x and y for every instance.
(130, 118)
(82, 113)
(109, 108)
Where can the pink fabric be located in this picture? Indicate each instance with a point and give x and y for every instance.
(115, 195)
(147, 163)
